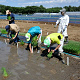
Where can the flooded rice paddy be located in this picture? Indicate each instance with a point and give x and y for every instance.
(20, 64)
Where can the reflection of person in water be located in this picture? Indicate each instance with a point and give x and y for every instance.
(13, 56)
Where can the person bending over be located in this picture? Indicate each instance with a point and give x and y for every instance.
(13, 29)
(53, 38)
(32, 32)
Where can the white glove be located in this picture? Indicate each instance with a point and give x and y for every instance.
(55, 26)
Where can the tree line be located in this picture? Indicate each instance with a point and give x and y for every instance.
(36, 9)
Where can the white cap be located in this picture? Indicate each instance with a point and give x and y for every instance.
(63, 10)
(47, 41)
(7, 12)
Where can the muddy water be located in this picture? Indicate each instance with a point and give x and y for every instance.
(22, 65)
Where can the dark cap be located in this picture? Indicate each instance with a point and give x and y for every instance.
(7, 28)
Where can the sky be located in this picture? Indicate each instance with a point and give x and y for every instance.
(45, 3)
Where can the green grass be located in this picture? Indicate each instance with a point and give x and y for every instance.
(21, 43)
(72, 47)
(50, 54)
(4, 32)
(42, 38)
(5, 74)
(34, 41)
(22, 34)
(1, 29)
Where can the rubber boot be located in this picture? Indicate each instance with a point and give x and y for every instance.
(27, 48)
(62, 56)
(11, 41)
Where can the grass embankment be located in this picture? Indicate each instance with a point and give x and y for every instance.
(3, 31)
(72, 47)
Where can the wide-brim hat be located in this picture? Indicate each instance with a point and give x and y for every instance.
(27, 35)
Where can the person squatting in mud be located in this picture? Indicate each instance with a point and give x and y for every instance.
(32, 32)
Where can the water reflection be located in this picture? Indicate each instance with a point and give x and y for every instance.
(13, 58)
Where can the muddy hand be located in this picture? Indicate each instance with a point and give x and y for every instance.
(8, 39)
(31, 51)
(55, 26)
(13, 38)
(48, 50)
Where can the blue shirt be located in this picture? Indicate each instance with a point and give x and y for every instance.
(12, 18)
(34, 31)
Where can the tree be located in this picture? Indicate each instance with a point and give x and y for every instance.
(36, 9)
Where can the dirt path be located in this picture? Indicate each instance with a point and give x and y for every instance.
(73, 29)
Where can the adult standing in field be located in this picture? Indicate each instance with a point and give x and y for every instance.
(53, 38)
(32, 32)
(13, 29)
(63, 22)
(10, 17)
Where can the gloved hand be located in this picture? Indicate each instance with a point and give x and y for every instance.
(55, 26)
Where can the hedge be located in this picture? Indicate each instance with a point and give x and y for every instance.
(72, 47)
